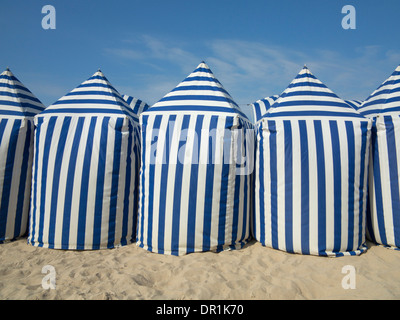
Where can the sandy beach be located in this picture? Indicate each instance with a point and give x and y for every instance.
(254, 272)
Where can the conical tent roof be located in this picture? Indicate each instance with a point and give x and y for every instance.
(199, 92)
(85, 172)
(94, 96)
(308, 96)
(138, 106)
(385, 99)
(261, 107)
(17, 108)
(16, 99)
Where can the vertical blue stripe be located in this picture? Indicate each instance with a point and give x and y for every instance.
(194, 173)
(164, 182)
(320, 151)
(70, 184)
(23, 181)
(394, 177)
(8, 176)
(208, 199)
(83, 201)
(305, 188)
(3, 124)
(56, 178)
(274, 182)
(351, 172)
(115, 182)
(257, 112)
(288, 185)
(98, 209)
(176, 206)
(43, 178)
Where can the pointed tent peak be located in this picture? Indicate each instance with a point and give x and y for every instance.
(200, 91)
(307, 96)
(16, 99)
(96, 95)
(8, 69)
(385, 99)
(202, 68)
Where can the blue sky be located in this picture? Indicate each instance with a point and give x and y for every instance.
(146, 47)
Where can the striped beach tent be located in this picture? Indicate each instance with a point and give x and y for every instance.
(85, 170)
(383, 106)
(137, 105)
(18, 106)
(356, 104)
(261, 107)
(311, 170)
(195, 178)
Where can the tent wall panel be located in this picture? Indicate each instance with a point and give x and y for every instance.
(85, 171)
(83, 174)
(192, 198)
(309, 197)
(16, 141)
(17, 107)
(384, 217)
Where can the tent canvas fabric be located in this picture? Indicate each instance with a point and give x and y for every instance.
(383, 106)
(311, 172)
(137, 105)
(356, 104)
(85, 170)
(194, 191)
(261, 107)
(385, 99)
(17, 107)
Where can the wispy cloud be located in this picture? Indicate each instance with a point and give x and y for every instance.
(251, 70)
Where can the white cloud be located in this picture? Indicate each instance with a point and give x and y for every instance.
(251, 70)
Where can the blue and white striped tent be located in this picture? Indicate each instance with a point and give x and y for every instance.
(383, 106)
(355, 104)
(18, 106)
(261, 107)
(311, 172)
(85, 170)
(194, 186)
(137, 105)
